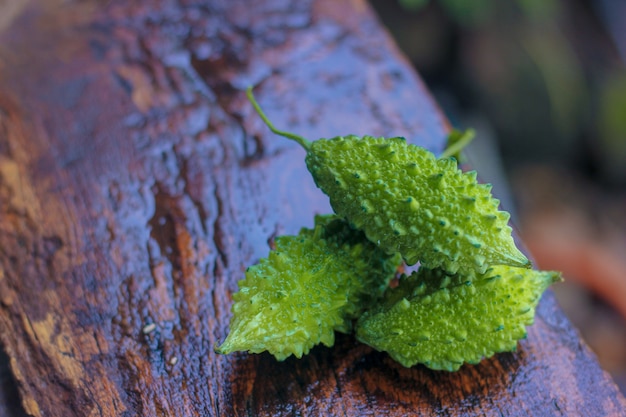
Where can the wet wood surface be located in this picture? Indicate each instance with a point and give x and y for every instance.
(136, 185)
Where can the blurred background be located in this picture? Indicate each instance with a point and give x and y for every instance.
(543, 82)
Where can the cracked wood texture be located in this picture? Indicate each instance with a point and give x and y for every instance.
(136, 185)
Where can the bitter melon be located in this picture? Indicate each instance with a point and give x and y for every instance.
(443, 320)
(408, 201)
(311, 285)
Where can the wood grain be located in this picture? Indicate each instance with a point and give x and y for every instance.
(136, 185)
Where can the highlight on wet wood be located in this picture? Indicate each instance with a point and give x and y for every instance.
(136, 185)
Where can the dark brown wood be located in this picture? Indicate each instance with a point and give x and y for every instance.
(9, 397)
(136, 185)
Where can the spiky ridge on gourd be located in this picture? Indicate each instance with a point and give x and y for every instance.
(410, 202)
(309, 286)
(443, 320)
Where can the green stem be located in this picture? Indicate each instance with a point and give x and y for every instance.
(459, 145)
(302, 141)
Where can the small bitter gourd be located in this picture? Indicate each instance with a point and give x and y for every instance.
(443, 320)
(408, 201)
(311, 285)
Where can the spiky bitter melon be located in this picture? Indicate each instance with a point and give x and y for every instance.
(309, 286)
(444, 320)
(408, 201)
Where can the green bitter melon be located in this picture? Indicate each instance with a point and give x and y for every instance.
(442, 320)
(311, 285)
(408, 201)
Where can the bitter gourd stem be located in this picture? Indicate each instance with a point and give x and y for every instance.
(302, 141)
(458, 146)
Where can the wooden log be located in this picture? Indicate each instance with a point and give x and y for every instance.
(136, 185)
(9, 397)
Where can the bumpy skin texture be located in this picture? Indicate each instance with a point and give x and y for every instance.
(443, 320)
(309, 286)
(410, 202)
